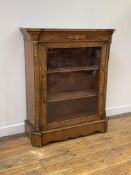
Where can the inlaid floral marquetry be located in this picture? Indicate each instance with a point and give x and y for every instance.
(35, 53)
(43, 86)
(78, 37)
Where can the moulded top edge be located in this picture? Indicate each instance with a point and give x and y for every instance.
(63, 29)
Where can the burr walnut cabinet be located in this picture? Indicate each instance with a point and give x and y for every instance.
(66, 77)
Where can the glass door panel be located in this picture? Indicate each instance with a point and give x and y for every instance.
(72, 82)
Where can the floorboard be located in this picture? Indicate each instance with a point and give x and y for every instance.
(99, 154)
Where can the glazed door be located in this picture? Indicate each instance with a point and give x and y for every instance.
(74, 81)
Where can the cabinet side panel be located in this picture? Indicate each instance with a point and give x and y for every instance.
(106, 75)
(29, 68)
(103, 79)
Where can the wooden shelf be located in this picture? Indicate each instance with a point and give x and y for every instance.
(73, 69)
(70, 95)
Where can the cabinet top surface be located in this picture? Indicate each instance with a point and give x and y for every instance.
(63, 29)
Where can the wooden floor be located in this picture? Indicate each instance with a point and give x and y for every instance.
(100, 154)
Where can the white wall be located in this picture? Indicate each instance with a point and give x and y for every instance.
(60, 14)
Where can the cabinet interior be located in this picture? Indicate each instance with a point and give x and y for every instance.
(72, 82)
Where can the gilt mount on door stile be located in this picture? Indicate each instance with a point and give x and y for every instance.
(66, 77)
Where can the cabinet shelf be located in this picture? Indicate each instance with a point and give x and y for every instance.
(70, 95)
(73, 69)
